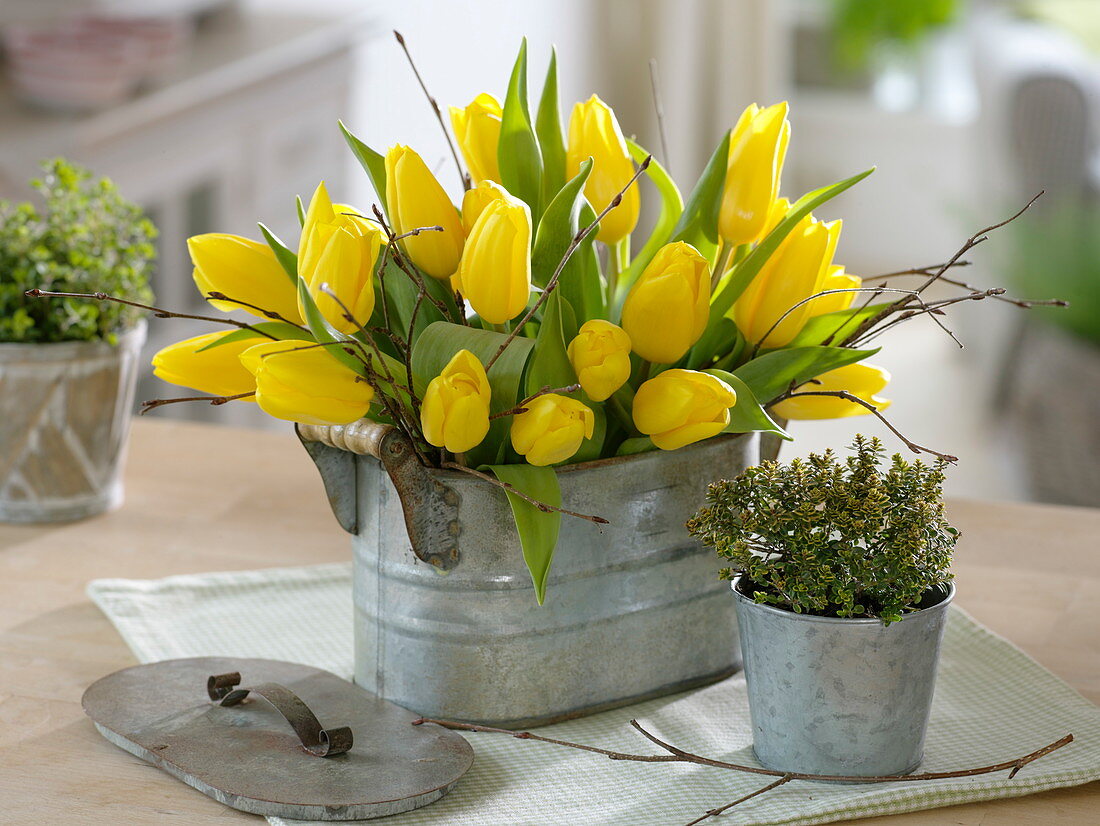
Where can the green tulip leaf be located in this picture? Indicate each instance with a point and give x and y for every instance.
(672, 207)
(747, 416)
(549, 365)
(287, 259)
(558, 226)
(372, 162)
(549, 133)
(301, 207)
(537, 529)
(698, 224)
(637, 444)
(770, 375)
(401, 294)
(518, 153)
(279, 329)
(747, 269)
(833, 328)
(323, 332)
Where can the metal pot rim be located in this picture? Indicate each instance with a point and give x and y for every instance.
(854, 621)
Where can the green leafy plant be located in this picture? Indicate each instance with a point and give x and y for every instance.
(833, 538)
(858, 25)
(85, 238)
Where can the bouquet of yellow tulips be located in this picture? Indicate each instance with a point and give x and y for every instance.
(527, 325)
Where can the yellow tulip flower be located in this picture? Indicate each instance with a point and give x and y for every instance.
(594, 133)
(837, 279)
(861, 380)
(794, 272)
(244, 270)
(455, 411)
(478, 197)
(414, 199)
(495, 270)
(340, 250)
(477, 129)
(552, 429)
(679, 407)
(301, 382)
(600, 355)
(217, 371)
(758, 147)
(666, 310)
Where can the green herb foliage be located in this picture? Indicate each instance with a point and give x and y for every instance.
(833, 538)
(85, 238)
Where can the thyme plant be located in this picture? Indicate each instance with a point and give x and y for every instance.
(84, 238)
(833, 538)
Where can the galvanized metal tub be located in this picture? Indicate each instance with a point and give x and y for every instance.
(840, 696)
(64, 420)
(446, 621)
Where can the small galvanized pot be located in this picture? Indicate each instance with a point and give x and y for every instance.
(446, 621)
(64, 419)
(840, 696)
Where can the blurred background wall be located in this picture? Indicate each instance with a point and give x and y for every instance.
(967, 108)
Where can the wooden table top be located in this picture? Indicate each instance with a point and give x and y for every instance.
(205, 498)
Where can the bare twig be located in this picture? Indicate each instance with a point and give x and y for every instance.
(971, 242)
(435, 108)
(875, 292)
(658, 108)
(715, 812)
(678, 755)
(542, 506)
(931, 268)
(403, 264)
(542, 391)
(844, 394)
(152, 404)
(578, 239)
(417, 231)
(156, 311)
(274, 316)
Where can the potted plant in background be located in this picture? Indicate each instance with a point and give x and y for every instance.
(840, 577)
(491, 389)
(67, 369)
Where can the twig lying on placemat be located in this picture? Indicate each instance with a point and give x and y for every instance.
(678, 755)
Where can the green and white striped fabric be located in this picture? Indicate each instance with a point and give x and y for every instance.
(993, 703)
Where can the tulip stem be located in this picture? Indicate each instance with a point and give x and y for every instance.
(578, 239)
(619, 262)
(156, 311)
(721, 263)
(621, 413)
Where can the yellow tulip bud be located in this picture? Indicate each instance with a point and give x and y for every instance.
(455, 411)
(666, 310)
(758, 146)
(679, 407)
(244, 270)
(477, 198)
(794, 272)
(837, 279)
(217, 371)
(552, 429)
(477, 129)
(861, 380)
(594, 133)
(495, 270)
(340, 251)
(301, 382)
(600, 355)
(414, 199)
